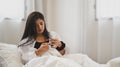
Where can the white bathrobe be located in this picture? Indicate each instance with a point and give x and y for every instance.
(28, 52)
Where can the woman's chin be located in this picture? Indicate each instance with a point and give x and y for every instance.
(40, 32)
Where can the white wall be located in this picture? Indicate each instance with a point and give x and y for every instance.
(39, 5)
(64, 16)
(90, 29)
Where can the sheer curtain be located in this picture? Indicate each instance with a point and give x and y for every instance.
(101, 36)
(12, 9)
(11, 30)
(108, 39)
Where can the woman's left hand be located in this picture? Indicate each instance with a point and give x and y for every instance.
(56, 43)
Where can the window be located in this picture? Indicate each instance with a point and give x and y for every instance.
(107, 8)
(12, 9)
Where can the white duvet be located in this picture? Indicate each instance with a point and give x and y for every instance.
(52, 58)
(9, 53)
(70, 60)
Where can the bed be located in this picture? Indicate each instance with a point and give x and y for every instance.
(9, 57)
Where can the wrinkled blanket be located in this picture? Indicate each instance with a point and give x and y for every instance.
(70, 60)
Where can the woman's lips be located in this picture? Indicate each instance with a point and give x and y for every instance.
(39, 31)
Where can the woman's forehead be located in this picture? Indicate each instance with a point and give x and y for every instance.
(39, 21)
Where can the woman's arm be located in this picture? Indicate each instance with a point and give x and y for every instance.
(56, 40)
(59, 45)
(62, 52)
(43, 48)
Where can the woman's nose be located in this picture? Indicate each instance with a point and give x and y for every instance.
(39, 26)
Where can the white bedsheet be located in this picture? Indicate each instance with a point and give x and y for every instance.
(9, 53)
(70, 60)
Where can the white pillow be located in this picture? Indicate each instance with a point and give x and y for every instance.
(9, 53)
(114, 62)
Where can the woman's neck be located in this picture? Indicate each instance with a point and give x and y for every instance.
(40, 38)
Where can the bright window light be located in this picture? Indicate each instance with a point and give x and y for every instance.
(12, 9)
(107, 8)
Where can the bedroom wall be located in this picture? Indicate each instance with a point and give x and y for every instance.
(66, 19)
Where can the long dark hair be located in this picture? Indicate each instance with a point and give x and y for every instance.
(30, 28)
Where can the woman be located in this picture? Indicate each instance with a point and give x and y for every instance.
(37, 41)
(42, 48)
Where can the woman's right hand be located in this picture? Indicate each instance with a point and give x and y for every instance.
(42, 49)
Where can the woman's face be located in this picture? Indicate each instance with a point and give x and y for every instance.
(40, 26)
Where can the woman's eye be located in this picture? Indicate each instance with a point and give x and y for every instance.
(41, 23)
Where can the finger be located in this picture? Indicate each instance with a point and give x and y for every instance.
(45, 43)
(56, 42)
(53, 39)
(54, 46)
